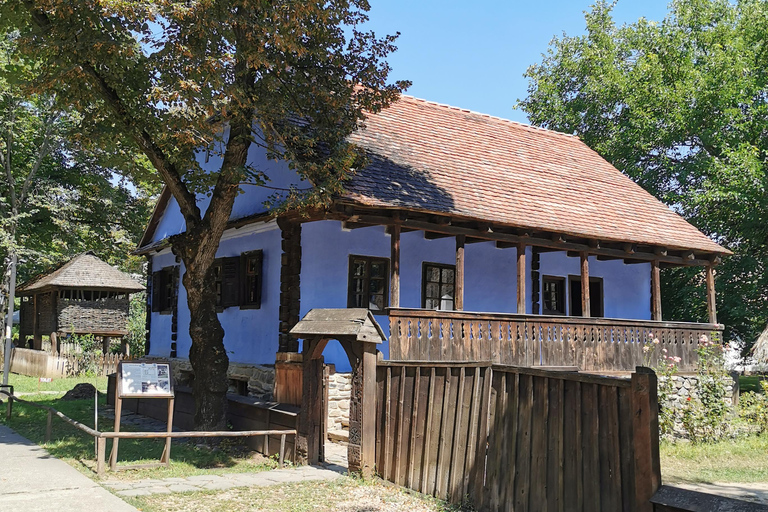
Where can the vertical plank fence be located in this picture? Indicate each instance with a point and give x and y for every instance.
(522, 439)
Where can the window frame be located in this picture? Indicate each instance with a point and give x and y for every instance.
(165, 284)
(562, 295)
(351, 293)
(258, 254)
(441, 266)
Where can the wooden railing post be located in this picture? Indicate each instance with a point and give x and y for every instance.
(645, 438)
(458, 288)
(48, 426)
(585, 299)
(521, 274)
(711, 305)
(394, 278)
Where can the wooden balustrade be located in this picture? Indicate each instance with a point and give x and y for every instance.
(591, 344)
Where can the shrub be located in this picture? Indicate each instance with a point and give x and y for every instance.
(753, 407)
(705, 412)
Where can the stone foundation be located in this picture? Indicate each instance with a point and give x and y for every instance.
(245, 379)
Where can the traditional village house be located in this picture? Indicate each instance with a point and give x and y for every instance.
(85, 295)
(456, 213)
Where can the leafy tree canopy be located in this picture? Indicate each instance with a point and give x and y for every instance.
(59, 197)
(681, 106)
(293, 76)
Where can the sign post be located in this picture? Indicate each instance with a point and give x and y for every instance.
(143, 380)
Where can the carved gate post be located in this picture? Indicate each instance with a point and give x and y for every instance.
(311, 415)
(358, 333)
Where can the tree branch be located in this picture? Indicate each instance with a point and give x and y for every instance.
(170, 174)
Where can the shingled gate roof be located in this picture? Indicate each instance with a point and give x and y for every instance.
(430, 157)
(84, 271)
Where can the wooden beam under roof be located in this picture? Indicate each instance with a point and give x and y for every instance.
(543, 241)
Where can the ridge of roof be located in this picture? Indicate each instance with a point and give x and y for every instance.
(519, 124)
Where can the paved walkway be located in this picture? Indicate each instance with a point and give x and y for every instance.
(220, 482)
(31, 480)
(756, 492)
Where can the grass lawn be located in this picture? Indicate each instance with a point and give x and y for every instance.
(750, 383)
(342, 495)
(25, 384)
(77, 448)
(741, 460)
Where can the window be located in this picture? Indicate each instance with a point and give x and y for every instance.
(164, 285)
(251, 270)
(553, 295)
(437, 285)
(226, 272)
(595, 296)
(368, 283)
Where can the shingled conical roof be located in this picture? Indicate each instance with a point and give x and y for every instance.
(84, 271)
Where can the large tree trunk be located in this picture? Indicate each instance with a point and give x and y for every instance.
(207, 355)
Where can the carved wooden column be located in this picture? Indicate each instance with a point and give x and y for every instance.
(361, 450)
(521, 279)
(711, 305)
(655, 291)
(585, 303)
(458, 290)
(394, 278)
(290, 283)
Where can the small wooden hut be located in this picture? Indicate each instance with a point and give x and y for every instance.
(82, 296)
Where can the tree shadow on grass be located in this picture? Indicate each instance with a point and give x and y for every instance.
(70, 443)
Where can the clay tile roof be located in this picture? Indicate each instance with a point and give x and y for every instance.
(83, 271)
(436, 158)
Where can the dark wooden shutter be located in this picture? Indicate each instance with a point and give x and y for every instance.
(157, 285)
(230, 282)
(258, 258)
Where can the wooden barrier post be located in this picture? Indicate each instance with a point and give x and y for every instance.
(645, 428)
(101, 448)
(282, 450)
(48, 426)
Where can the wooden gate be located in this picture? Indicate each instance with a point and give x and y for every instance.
(509, 438)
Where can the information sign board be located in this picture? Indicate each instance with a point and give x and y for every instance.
(144, 380)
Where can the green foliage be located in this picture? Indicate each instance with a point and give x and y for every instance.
(90, 357)
(681, 107)
(137, 324)
(705, 412)
(666, 369)
(58, 195)
(753, 407)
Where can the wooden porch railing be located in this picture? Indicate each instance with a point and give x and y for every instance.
(591, 344)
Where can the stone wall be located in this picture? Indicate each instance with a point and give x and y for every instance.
(339, 393)
(685, 386)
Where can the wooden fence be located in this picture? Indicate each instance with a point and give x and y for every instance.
(508, 438)
(591, 344)
(37, 363)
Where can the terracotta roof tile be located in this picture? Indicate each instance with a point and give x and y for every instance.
(431, 157)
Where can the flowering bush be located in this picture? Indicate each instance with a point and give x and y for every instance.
(704, 414)
(665, 368)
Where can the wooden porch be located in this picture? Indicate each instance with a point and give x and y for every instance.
(591, 344)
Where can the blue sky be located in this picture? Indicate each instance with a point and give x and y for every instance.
(472, 54)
